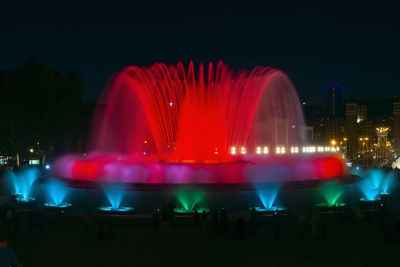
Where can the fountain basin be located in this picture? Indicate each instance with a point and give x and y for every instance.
(290, 171)
(115, 210)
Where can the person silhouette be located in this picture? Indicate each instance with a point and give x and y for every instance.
(196, 207)
(214, 221)
(156, 221)
(196, 219)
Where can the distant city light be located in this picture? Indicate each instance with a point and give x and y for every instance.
(31, 150)
(382, 129)
(47, 166)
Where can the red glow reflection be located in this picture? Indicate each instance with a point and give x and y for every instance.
(328, 167)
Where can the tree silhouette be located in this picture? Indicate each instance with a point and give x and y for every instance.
(40, 108)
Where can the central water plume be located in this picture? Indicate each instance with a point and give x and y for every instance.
(207, 125)
(183, 116)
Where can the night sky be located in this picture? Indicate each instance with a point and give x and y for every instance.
(316, 44)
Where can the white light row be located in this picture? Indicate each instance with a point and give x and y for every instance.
(242, 150)
(282, 150)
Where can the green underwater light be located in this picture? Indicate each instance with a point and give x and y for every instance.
(332, 193)
(328, 205)
(183, 210)
(190, 200)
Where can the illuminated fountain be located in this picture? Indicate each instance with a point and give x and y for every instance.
(190, 201)
(21, 183)
(115, 196)
(268, 194)
(57, 192)
(332, 193)
(371, 185)
(162, 126)
(388, 183)
(376, 187)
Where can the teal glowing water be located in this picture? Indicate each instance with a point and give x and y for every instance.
(24, 199)
(21, 182)
(271, 209)
(56, 192)
(113, 209)
(376, 199)
(268, 195)
(375, 183)
(115, 196)
(60, 205)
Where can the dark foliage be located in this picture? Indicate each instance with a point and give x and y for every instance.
(41, 108)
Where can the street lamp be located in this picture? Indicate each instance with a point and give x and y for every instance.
(363, 152)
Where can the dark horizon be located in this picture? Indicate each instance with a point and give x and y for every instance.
(354, 46)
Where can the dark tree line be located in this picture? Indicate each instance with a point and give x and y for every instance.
(41, 108)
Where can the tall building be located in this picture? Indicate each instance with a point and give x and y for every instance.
(361, 113)
(334, 130)
(351, 129)
(308, 134)
(335, 102)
